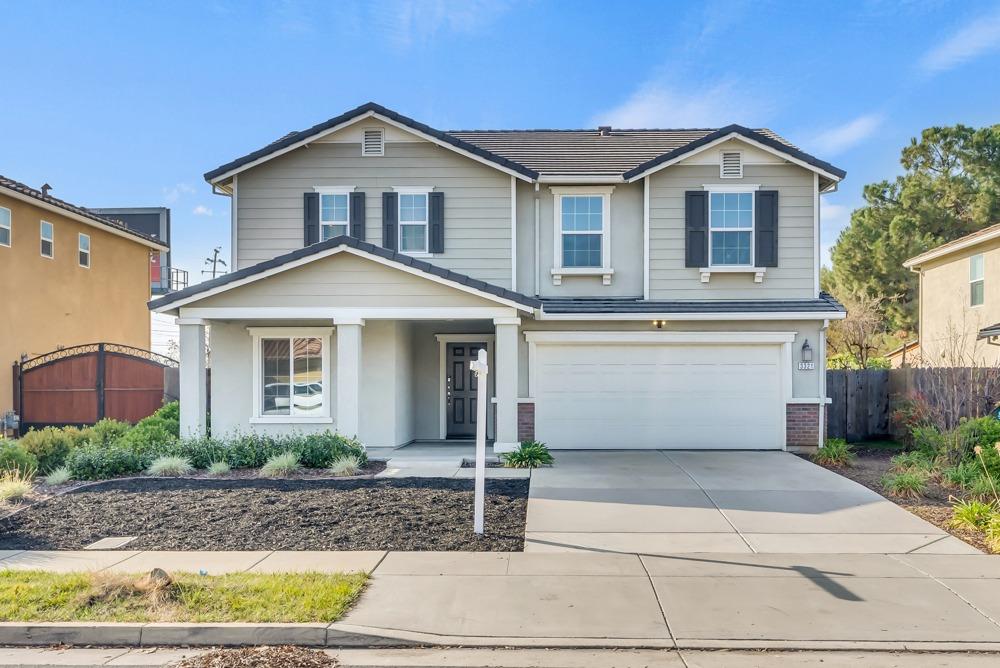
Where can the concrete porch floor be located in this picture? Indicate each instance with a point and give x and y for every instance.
(437, 459)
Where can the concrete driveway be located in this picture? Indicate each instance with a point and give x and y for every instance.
(669, 502)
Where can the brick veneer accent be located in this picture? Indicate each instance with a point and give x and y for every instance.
(801, 425)
(525, 422)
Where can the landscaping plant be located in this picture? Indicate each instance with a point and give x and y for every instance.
(908, 484)
(345, 465)
(96, 462)
(284, 464)
(15, 457)
(218, 468)
(835, 452)
(169, 466)
(529, 455)
(971, 514)
(59, 476)
(912, 461)
(961, 476)
(50, 446)
(15, 484)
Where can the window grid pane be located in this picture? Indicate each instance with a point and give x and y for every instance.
(84, 242)
(976, 267)
(307, 366)
(582, 214)
(731, 211)
(4, 227)
(731, 248)
(333, 209)
(413, 238)
(413, 208)
(977, 292)
(581, 250)
(330, 231)
(275, 360)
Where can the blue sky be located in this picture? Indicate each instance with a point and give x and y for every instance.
(129, 103)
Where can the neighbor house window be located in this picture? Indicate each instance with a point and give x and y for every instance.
(582, 230)
(84, 251)
(413, 222)
(291, 376)
(5, 227)
(47, 245)
(333, 215)
(976, 280)
(731, 229)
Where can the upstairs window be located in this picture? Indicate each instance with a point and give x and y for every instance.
(413, 223)
(334, 210)
(976, 280)
(47, 245)
(731, 165)
(84, 251)
(5, 227)
(731, 229)
(373, 142)
(582, 230)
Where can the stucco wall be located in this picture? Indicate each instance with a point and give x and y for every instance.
(948, 323)
(55, 302)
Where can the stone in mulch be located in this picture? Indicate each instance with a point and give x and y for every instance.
(356, 514)
(259, 657)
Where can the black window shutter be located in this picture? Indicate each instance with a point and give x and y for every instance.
(435, 213)
(357, 226)
(310, 218)
(766, 228)
(696, 228)
(390, 220)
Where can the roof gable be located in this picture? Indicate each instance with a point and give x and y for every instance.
(982, 236)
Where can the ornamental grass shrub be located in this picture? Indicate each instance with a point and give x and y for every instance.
(15, 484)
(835, 452)
(170, 466)
(284, 464)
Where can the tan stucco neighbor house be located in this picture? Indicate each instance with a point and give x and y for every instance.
(69, 277)
(959, 307)
(632, 288)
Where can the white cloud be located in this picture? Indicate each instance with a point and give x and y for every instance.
(972, 40)
(657, 105)
(839, 139)
(173, 193)
(833, 218)
(409, 22)
(202, 210)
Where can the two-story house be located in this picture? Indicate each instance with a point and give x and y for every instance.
(632, 288)
(69, 277)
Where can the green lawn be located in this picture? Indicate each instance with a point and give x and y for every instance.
(39, 596)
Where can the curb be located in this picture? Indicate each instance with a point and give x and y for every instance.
(350, 636)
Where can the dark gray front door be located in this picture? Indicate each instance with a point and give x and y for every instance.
(460, 389)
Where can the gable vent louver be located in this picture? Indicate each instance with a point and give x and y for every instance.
(732, 165)
(373, 142)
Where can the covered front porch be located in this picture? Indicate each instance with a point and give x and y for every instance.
(350, 339)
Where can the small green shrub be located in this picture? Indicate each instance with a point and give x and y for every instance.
(971, 514)
(529, 455)
(912, 461)
(107, 431)
(50, 446)
(286, 463)
(14, 457)
(835, 452)
(907, 484)
(218, 468)
(97, 462)
(345, 465)
(169, 466)
(961, 476)
(928, 441)
(203, 452)
(59, 476)
(149, 439)
(318, 451)
(170, 412)
(15, 484)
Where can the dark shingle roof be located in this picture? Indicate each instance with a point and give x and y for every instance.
(587, 152)
(824, 304)
(23, 189)
(619, 153)
(352, 242)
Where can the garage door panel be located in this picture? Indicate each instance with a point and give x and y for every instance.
(658, 396)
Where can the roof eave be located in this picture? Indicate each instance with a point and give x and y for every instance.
(946, 249)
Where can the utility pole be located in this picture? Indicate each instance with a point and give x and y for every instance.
(214, 263)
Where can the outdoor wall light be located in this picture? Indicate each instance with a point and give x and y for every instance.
(807, 352)
(658, 324)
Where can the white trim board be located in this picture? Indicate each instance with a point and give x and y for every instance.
(659, 337)
(344, 315)
(329, 253)
(685, 317)
(357, 119)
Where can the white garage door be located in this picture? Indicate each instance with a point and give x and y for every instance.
(607, 395)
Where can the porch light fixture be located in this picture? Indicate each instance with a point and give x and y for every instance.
(658, 324)
(807, 352)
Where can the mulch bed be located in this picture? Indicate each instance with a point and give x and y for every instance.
(260, 657)
(284, 514)
(871, 465)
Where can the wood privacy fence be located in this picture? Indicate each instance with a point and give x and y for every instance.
(862, 400)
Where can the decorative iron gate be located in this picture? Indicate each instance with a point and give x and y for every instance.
(83, 384)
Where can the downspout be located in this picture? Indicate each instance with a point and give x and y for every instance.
(538, 278)
(821, 432)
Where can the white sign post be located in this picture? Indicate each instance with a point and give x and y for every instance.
(480, 368)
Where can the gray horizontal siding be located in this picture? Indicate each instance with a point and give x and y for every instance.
(793, 277)
(477, 202)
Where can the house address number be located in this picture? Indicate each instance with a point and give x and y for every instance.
(807, 366)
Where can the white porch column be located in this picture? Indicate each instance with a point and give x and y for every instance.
(348, 415)
(505, 365)
(193, 392)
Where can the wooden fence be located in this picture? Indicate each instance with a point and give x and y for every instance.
(862, 400)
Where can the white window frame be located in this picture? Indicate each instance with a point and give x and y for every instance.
(722, 174)
(981, 279)
(381, 132)
(9, 226)
(707, 271)
(51, 239)
(413, 190)
(256, 410)
(80, 249)
(605, 271)
(334, 190)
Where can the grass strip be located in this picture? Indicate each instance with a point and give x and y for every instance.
(40, 596)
